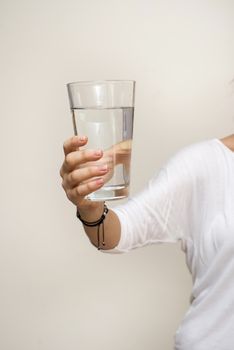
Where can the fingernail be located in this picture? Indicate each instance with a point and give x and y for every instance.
(103, 167)
(98, 153)
(100, 181)
(83, 138)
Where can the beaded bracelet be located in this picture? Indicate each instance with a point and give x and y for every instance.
(99, 223)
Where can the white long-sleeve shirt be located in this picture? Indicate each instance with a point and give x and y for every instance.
(191, 199)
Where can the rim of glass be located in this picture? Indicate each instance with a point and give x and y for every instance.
(87, 82)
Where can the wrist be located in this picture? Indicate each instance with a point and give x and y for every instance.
(91, 211)
(98, 224)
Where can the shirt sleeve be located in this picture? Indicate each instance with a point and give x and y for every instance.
(160, 213)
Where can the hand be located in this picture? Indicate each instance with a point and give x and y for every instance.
(118, 154)
(81, 176)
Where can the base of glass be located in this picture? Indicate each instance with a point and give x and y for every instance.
(109, 193)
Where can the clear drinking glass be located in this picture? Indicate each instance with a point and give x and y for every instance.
(104, 112)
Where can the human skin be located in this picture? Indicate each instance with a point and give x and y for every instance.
(228, 141)
(86, 171)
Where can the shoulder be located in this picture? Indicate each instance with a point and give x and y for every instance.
(196, 164)
(194, 156)
(193, 165)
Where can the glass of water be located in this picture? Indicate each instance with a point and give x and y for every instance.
(104, 112)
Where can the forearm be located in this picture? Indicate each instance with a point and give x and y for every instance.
(111, 226)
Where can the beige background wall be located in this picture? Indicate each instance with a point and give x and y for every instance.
(56, 290)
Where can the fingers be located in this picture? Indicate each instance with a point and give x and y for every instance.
(81, 175)
(74, 143)
(77, 159)
(83, 170)
(78, 193)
